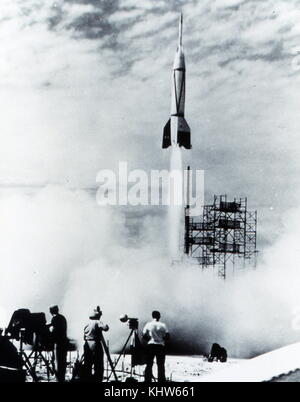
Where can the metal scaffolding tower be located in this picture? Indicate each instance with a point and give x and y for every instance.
(224, 233)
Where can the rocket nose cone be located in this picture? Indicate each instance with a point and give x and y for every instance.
(180, 30)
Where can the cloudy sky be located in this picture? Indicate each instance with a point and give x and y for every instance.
(85, 83)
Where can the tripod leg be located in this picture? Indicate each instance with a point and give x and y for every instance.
(107, 364)
(53, 361)
(47, 365)
(109, 359)
(123, 350)
(29, 367)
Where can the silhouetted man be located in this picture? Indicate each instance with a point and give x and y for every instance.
(11, 363)
(93, 350)
(58, 328)
(156, 333)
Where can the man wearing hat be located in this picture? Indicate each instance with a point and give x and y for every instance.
(58, 328)
(93, 351)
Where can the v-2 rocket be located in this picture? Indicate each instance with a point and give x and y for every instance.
(177, 132)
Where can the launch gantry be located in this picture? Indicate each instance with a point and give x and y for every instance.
(225, 234)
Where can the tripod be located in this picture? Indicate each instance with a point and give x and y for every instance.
(81, 361)
(106, 350)
(36, 354)
(131, 336)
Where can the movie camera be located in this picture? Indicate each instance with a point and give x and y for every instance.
(133, 341)
(133, 323)
(31, 329)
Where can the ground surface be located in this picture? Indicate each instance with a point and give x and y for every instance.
(291, 377)
(278, 366)
(178, 369)
(282, 363)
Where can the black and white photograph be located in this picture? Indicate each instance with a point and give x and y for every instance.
(149, 194)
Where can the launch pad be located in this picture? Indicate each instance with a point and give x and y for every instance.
(225, 234)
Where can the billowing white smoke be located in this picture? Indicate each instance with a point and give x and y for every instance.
(175, 208)
(44, 238)
(58, 246)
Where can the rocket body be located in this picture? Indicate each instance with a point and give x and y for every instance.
(177, 131)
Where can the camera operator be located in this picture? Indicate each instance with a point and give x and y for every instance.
(93, 350)
(58, 328)
(11, 363)
(156, 333)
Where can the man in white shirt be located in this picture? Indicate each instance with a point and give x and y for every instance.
(156, 333)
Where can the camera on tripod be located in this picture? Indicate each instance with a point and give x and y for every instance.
(133, 323)
(31, 329)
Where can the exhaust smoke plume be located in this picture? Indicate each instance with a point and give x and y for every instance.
(176, 198)
(58, 246)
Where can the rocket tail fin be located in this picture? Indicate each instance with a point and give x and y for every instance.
(167, 135)
(184, 134)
